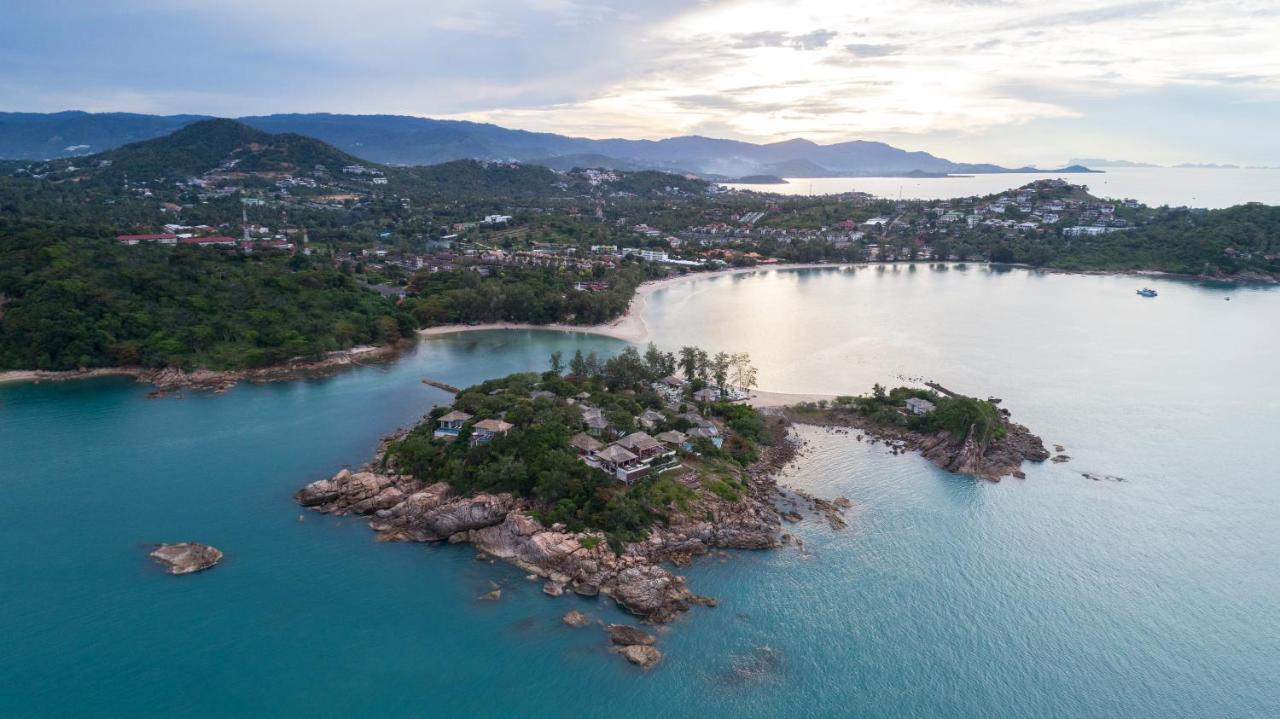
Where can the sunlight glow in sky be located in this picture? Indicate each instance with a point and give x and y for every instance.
(1011, 81)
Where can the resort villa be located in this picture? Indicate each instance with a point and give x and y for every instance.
(485, 430)
(450, 426)
(629, 459)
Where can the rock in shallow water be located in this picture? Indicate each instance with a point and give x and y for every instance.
(576, 619)
(627, 635)
(186, 557)
(641, 655)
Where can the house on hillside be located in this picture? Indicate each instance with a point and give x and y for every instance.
(486, 429)
(448, 426)
(585, 444)
(642, 445)
(650, 419)
(619, 462)
(674, 439)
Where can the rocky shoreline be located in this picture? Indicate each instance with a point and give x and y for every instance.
(170, 380)
(402, 508)
(991, 461)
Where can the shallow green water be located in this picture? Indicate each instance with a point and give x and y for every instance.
(1055, 596)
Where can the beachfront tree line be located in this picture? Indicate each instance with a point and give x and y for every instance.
(722, 371)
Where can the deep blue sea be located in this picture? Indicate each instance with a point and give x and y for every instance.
(1056, 596)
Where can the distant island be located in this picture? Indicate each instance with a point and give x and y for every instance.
(593, 475)
(756, 180)
(1099, 162)
(1094, 162)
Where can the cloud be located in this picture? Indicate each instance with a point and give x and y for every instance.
(868, 49)
(812, 40)
(952, 71)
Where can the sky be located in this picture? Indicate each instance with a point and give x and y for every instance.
(1008, 81)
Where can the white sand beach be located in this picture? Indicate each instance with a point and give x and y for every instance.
(630, 327)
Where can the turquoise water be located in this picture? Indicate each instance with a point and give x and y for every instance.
(1056, 596)
(1155, 186)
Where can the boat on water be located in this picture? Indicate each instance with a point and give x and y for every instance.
(1147, 292)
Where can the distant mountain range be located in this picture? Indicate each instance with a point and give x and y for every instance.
(1097, 162)
(401, 140)
(219, 153)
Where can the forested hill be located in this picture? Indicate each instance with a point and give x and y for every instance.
(213, 154)
(203, 147)
(1241, 242)
(68, 303)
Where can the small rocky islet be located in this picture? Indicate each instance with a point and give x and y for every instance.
(186, 557)
(698, 495)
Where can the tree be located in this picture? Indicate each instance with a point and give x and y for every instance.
(743, 373)
(689, 362)
(654, 360)
(557, 362)
(720, 370)
(578, 365)
(593, 365)
(627, 370)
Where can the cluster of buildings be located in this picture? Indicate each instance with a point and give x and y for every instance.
(1029, 210)
(205, 241)
(633, 457)
(450, 426)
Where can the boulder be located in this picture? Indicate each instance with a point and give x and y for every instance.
(186, 557)
(493, 596)
(625, 634)
(576, 619)
(649, 591)
(461, 515)
(641, 655)
(553, 589)
(585, 589)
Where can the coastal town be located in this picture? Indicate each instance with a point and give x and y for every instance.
(1045, 213)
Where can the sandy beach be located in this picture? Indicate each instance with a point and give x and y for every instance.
(630, 327)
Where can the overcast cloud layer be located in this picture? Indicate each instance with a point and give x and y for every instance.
(1010, 81)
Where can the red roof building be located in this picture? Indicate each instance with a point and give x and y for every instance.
(164, 239)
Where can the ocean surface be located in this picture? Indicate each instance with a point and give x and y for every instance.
(1055, 596)
(1190, 187)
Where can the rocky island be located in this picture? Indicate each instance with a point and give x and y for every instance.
(591, 481)
(186, 557)
(595, 481)
(964, 435)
